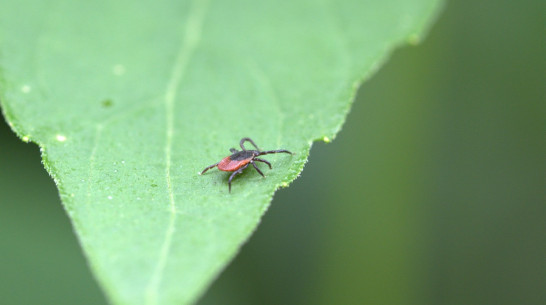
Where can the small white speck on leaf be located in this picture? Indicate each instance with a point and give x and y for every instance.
(326, 139)
(25, 88)
(26, 138)
(118, 69)
(60, 138)
(110, 197)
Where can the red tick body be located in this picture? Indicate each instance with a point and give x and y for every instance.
(240, 160)
(236, 161)
(228, 165)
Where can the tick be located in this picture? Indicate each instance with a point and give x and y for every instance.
(239, 160)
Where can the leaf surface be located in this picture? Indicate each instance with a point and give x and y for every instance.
(129, 101)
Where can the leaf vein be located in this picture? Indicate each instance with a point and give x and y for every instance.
(190, 40)
(92, 157)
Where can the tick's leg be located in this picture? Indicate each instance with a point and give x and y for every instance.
(264, 161)
(274, 152)
(243, 140)
(235, 173)
(233, 150)
(231, 178)
(256, 167)
(208, 167)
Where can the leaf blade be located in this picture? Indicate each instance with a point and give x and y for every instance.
(126, 155)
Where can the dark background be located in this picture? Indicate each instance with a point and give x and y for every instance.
(433, 192)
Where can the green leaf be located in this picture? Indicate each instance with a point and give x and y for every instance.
(129, 101)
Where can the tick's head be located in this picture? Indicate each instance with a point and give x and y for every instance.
(255, 153)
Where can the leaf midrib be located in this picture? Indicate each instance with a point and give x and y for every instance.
(190, 40)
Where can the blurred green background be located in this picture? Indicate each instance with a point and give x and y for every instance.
(433, 192)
